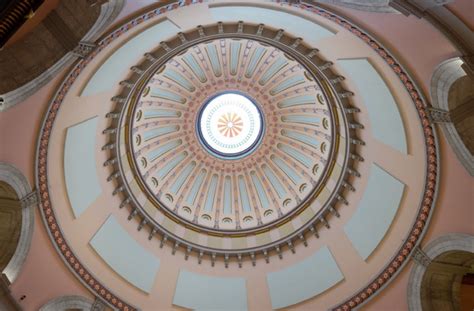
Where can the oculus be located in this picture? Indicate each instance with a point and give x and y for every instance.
(230, 125)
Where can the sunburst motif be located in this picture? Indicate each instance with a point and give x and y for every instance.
(230, 124)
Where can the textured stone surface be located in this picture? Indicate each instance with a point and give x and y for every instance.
(42, 48)
(10, 223)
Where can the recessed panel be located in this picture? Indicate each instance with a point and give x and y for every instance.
(304, 280)
(375, 212)
(112, 70)
(295, 25)
(82, 182)
(201, 292)
(125, 256)
(385, 119)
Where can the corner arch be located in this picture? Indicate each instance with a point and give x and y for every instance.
(445, 75)
(441, 245)
(375, 6)
(14, 178)
(17, 93)
(64, 303)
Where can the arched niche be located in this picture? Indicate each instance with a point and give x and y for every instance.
(66, 34)
(435, 280)
(17, 194)
(377, 6)
(67, 303)
(452, 100)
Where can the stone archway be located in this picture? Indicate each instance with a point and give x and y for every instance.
(377, 6)
(18, 191)
(436, 278)
(67, 303)
(57, 42)
(10, 223)
(452, 109)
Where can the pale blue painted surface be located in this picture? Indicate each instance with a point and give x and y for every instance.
(193, 64)
(295, 154)
(385, 120)
(196, 185)
(296, 118)
(244, 198)
(309, 140)
(153, 133)
(227, 196)
(274, 182)
(158, 152)
(82, 182)
(215, 63)
(286, 84)
(375, 212)
(116, 66)
(262, 196)
(179, 78)
(295, 178)
(201, 292)
(176, 186)
(211, 194)
(124, 255)
(296, 101)
(273, 69)
(234, 56)
(303, 280)
(165, 94)
(161, 173)
(295, 25)
(159, 113)
(255, 60)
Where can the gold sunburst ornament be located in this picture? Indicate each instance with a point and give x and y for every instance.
(230, 124)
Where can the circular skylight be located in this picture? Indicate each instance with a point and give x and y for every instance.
(230, 125)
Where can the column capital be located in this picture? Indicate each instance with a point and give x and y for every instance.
(420, 257)
(98, 305)
(31, 199)
(437, 115)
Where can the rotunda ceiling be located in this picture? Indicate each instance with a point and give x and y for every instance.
(290, 137)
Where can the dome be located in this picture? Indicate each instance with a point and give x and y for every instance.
(231, 135)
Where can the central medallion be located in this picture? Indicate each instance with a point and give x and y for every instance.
(230, 125)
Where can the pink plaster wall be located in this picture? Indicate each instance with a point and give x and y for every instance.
(417, 45)
(464, 10)
(413, 41)
(19, 127)
(453, 213)
(44, 276)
